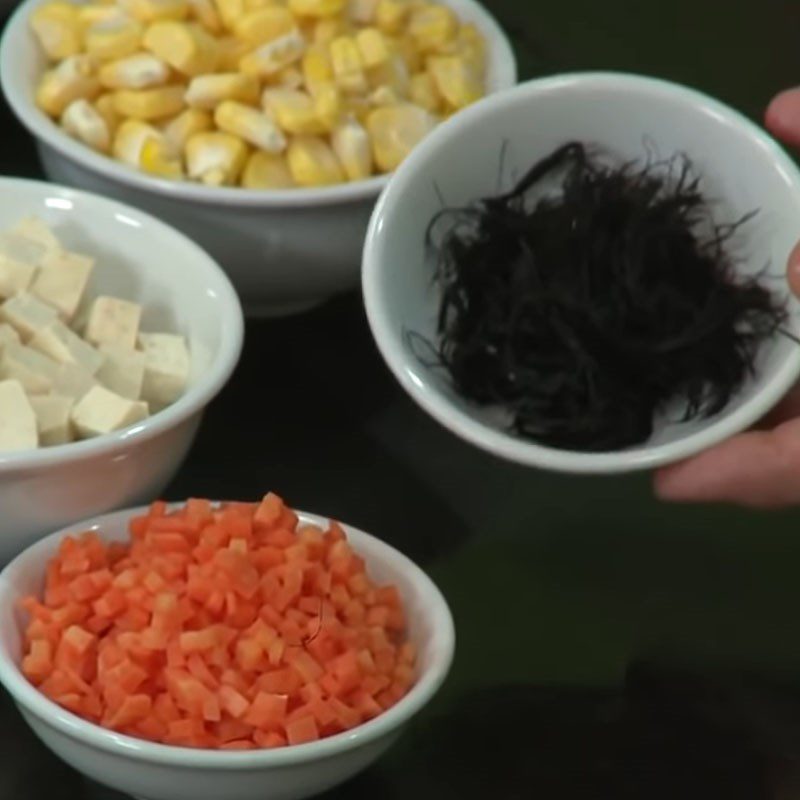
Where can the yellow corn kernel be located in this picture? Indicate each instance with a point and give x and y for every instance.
(178, 130)
(204, 12)
(70, 80)
(472, 47)
(406, 47)
(289, 78)
(58, 29)
(313, 163)
(294, 111)
(140, 71)
(395, 131)
(384, 96)
(423, 92)
(184, 46)
(326, 30)
(154, 10)
(362, 12)
(267, 171)
(89, 15)
(432, 27)
(251, 125)
(149, 104)
(130, 138)
(215, 158)
(231, 52)
(316, 8)
(317, 68)
(328, 105)
(393, 73)
(351, 144)
(116, 36)
(82, 121)
(264, 25)
(373, 47)
(358, 106)
(207, 91)
(105, 108)
(230, 11)
(348, 68)
(157, 158)
(455, 81)
(391, 15)
(274, 56)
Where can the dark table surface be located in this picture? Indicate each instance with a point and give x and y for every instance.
(608, 646)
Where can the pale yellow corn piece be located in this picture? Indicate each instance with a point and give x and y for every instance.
(326, 30)
(82, 121)
(178, 130)
(205, 13)
(362, 12)
(391, 15)
(105, 108)
(70, 80)
(348, 68)
(289, 78)
(155, 10)
(384, 96)
(230, 11)
(264, 25)
(184, 46)
(394, 73)
(472, 47)
(272, 57)
(313, 163)
(158, 159)
(423, 92)
(294, 111)
(255, 127)
(208, 91)
(317, 67)
(317, 8)
(215, 158)
(254, 5)
(407, 48)
(352, 146)
(231, 52)
(58, 29)
(89, 15)
(373, 47)
(455, 80)
(115, 37)
(395, 131)
(328, 105)
(267, 171)
(139, 71)
(432, 27)
(149, 104)
(129, 140)
(358, 106)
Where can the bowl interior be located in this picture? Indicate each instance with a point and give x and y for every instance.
(429, 620)
(137, 258)
(628, 118)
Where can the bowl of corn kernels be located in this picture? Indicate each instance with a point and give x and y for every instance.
(264, 130)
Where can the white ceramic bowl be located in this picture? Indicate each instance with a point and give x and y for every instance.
(182, 290)
(284, 250)
(159, 772)
(739, 162)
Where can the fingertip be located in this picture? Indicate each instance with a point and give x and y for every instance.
(793, 270)
(783, 116)
(670, 486)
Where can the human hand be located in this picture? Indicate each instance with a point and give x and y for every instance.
(761, 468)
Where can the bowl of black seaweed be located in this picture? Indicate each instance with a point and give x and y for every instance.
(586, 273)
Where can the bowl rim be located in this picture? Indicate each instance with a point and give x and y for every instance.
(75, 727)
(198, 395)
(493, 440)
(501, 56)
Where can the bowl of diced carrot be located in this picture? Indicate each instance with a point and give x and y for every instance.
(220, 650)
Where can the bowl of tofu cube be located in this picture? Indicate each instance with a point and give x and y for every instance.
(116, 331)
(263, 130)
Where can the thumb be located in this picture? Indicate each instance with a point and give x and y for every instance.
(783, 117)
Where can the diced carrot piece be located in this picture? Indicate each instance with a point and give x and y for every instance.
(232, 701)
(269, 739)
(300, 731)
(280, 681)
(304, 665)
(365, 704)
(72, 702)
(228, 730)
(267, 710)
(249, 654)
(269, 511)
(134, 709)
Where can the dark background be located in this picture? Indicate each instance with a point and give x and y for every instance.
(608, 646)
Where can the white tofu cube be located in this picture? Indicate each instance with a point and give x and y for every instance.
(27, 314)
(15, 277)
(166, 367)
(72, 380)
(65, 346)
(7, 336)
(113, 321)
(99, 412)
(122, 371)
(36, 372)
(17, 419)
(61, 281)
(53, 421)
(33, 229)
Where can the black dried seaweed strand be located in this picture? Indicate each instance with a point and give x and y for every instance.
(586, 312)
